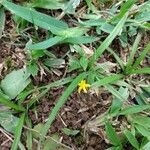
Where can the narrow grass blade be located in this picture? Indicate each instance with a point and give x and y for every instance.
(142, 56)
(37, 18)
(108, 40)
(141, 120)
(2, 21)
(115, 92)
(133, 51)
(18, 132)
(29, 134)
(140, 71)
(144, 131)
(107, 80)
(80, 40)
(46, 44)
(118, 59)
(124, 8)
(131, 138)
(10, 104)
(47, 87)
(112, 135)
(59, 104)
(134, 109)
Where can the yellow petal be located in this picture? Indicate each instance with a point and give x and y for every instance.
(79, 89)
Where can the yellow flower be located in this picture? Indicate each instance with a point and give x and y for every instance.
(83, 86)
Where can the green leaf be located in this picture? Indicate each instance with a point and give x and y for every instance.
(134, 109)
(133, 51)
(50, 144)
(29, 141)
(143, 14)
(15, 82)
(37, 18)
(37, 130)
(142, 56)
(107, 80)
(73, 64)
(118, 59)
(112, 135)
(144, 131)
(116, 93)
(55, 62)
(6, 101)
(33, 68)
(18, 132)
(2, 21)
(108, 40)
(131, 138)
(71, 6)
(146, 146)
(140, 71)
(93, 22)
(68, 131)
(8, 121)
(124, 9)
(59, 104)
(141, 120)
(84, 62)
(117, 102)
(73, 32)
(48, 4)
(45, 44)
(80, 40)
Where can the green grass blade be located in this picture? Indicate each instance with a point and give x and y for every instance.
(107, 80)
(131, 138)
(133, 51)
(37, 18)
(46, 44)
(59, 104)
(108, 40)
(10, 104)
(112, 135)
(18, 132)
(134, 109)
(47, 87)
(80, 40)
(29, 134)
(140, 71)
(124, 8)
(2, 21)
(115, 92)
(120, 62)
(142, 56)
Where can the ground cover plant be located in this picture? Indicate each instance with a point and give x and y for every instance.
(74, 74)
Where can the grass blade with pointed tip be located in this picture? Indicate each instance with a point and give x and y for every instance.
(133, 51)
(2, 21)
(47, 87)
(10, 104)
(46, 44)
(18, 132)
(134, 109)
(112, 135)
(131, 138)
(115, 92)
(142, 56)
(37, 18)
(59, 104)
(107, 80)
(118, 59)
(108, 40)
(140, 71)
